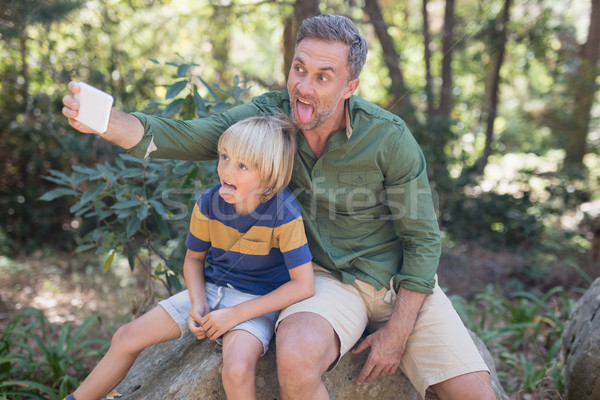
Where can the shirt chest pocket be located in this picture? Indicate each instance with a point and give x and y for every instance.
(253, 247)
(359, 191)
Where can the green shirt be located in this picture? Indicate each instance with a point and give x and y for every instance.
(366, 202)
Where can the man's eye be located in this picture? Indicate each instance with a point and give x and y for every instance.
(323, 78)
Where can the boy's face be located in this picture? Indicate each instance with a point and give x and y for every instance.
(241, 185)
(318, 82)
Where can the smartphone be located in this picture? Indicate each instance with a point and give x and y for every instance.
(94, 107)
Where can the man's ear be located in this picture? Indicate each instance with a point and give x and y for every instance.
(351, 87)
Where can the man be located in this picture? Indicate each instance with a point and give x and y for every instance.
(360, 179)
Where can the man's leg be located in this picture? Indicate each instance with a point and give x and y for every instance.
(440, 353)
(314, 333)
(471, 386)
(307, 346)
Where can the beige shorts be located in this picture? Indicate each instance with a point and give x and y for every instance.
(439, 348)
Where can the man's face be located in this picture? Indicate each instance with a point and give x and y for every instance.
(318, 82)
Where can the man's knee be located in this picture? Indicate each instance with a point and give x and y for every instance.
(307, 344)
(474, 385)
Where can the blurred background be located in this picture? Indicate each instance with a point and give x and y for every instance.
(502, 95)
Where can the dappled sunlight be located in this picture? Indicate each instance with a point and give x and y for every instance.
(515, 173)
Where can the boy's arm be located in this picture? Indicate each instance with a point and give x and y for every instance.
(300, 286)
(193, 272)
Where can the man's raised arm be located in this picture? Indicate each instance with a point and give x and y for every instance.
(124, 130)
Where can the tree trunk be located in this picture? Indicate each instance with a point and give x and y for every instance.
(400, 103)
(302, 9)
(27, 101)
(445, 106)
(584, 91)
(427, 56)
(221, 39)
(499, 38)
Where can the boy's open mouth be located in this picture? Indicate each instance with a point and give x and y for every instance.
(227, 189)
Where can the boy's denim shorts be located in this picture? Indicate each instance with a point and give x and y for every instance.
(179, 305)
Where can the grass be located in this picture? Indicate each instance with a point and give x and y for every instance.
(57, 314)
(41, 360)
(524, 334)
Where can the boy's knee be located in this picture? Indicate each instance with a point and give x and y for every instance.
(124, 340)
(238, 372)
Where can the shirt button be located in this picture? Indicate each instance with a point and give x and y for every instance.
(359, 179)
(316, 173)
(322, 223)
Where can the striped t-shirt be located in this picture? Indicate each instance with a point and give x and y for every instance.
(254, 252)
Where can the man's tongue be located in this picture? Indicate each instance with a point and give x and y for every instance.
(304, 112)
(226, 191)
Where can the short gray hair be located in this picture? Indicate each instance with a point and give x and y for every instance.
(336, 28)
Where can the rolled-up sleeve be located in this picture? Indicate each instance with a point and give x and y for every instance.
(410, 200)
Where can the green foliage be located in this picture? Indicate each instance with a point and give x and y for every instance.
(37, 361)
(524, 333)
(500, 219)
(140, 208)
(18, 14)
(44, 45)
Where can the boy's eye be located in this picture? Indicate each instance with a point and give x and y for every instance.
(224, 157)
(243, 166)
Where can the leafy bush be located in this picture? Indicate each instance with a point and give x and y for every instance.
(36, 365)
(140, 208)
(500, 219)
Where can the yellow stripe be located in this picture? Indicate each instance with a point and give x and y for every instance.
(291, 235)
(257, 241)
(199, 225)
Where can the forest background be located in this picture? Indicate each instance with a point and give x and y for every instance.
(502, 95)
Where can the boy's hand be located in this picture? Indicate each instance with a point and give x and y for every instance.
(219, 322)
(194, 321)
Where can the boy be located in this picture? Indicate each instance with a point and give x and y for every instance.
(249, 233)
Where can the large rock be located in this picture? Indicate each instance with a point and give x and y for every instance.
(581, 347)
(191, 369)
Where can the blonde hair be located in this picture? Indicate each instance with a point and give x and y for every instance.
(266, 143)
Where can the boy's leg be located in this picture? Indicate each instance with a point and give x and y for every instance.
(241, 351)
(154, 327)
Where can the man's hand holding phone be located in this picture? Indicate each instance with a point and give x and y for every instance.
(89, 110)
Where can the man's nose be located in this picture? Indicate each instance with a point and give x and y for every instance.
(305, 86)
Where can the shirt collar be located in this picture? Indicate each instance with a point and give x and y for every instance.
(348, 126)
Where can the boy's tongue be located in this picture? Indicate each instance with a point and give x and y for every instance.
(304, 112)
(226, 191)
